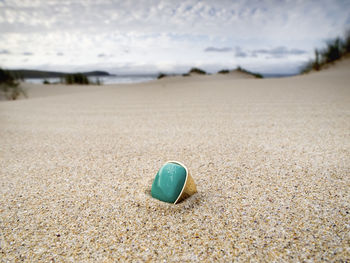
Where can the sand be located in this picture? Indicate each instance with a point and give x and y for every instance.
(271, 159)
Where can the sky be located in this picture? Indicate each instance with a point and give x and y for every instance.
(150, 36)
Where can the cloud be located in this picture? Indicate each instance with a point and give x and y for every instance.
(170, 33)
(216, 18)
(279, 52)
(216, 49)
(296, 51)
(239, 53)
(27, 54)
(4, 52)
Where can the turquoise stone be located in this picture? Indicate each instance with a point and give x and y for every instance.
(169, 182)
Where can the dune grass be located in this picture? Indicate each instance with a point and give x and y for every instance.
(335, 49)
(257, 75)
(9, 86)
(191, 71)
(240, 69)
(161, 75)
(76, 78)
(224, 71)
(197, 71)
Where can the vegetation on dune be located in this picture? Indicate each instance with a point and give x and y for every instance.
(202, 72)
(79, 79)
(161, 75)
(197, 71)
(334, 50)
(257, 75)
(9, 86)
(191, 71)
(240, 69)
(76, 78)
(346, 42)
(224, 71)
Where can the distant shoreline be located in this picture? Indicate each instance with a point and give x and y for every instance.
(110, 79)
(32, 74)
(41, 74)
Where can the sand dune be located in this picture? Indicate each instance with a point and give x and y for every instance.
(270, 158)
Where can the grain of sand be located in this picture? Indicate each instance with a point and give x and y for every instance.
(270, 158)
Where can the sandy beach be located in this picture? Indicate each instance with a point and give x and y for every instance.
(270, 157)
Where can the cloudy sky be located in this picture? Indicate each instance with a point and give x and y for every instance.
(130, 36)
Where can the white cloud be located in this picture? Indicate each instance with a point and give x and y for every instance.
(164, 33)
(217, 49)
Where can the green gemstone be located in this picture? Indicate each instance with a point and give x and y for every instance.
(169, 182)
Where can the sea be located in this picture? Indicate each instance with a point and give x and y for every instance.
(113, 79)
(127, 79)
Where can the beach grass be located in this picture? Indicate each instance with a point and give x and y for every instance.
(9, 86)
(335, 49)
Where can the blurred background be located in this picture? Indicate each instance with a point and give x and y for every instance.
(152, 36)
